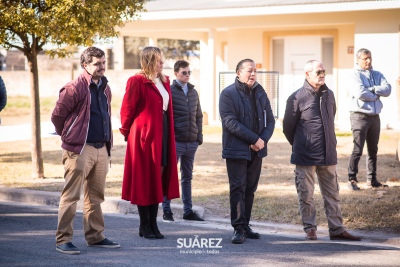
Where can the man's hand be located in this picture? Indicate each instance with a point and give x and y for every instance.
(258, 145)
(253, 147)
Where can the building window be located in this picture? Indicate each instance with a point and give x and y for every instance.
(132, 48)
(174, 50)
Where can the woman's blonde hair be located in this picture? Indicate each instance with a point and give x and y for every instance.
(149, 57)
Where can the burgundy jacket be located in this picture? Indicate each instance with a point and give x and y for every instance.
(71, 115)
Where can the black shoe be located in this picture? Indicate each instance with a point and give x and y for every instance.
(192, 216)
(146, 232)
(105, 243)
(376, 184)
(239, 235)
(251, 234)
(156, 231)
(68, 248)
(167, 216)
(353, 185)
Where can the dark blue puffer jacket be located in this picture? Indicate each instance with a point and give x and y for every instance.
(3, 95)
(237, 120)
(188, 117)
(309, 126)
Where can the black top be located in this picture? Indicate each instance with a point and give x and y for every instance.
(99, 124)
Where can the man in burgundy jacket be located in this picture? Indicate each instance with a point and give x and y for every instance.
(82, 117)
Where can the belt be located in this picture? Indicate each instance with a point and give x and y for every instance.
(97, 144)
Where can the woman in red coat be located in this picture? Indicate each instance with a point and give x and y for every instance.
(147, 123)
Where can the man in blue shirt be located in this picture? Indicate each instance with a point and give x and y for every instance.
(367, 86)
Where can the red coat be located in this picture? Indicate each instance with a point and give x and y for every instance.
(142, 126)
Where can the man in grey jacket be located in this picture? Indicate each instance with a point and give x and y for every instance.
(309, 127)
(366, 88)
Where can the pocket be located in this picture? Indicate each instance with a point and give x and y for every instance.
(143, 133)
(337, 181)
(300, 181)
(68, 156)
(229, 141)
(310, 140)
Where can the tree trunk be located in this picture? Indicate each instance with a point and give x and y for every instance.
(36, 144)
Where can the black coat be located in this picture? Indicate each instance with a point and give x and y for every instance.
(238, 120)
(188, 117)
(3, 95)
(309, 126)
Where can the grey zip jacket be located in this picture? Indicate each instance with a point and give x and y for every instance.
(366, 88)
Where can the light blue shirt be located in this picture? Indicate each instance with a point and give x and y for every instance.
(184, 86)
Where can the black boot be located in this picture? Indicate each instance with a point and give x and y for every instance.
(145, 229)
(153, 210)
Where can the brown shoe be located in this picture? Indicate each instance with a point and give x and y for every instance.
(312, 234)
(345, 236)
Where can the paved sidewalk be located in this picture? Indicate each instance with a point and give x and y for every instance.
(23, 131)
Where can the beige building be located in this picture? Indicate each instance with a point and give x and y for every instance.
(279, 36)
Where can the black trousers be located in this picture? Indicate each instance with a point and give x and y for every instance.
(243, 181)
(164, 152)
(365, 129)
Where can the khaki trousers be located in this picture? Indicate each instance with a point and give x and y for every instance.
(88, 169)
(329, 186)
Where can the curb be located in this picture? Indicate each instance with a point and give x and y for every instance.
(110, 204)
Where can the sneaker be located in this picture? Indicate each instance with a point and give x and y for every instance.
(68, 248)
(192, 216)
(353, 185)
(167, 216)
(239, 235)
(251, 234)
(375, 184)
(105, 243)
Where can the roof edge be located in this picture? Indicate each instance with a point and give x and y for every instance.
(269, 10)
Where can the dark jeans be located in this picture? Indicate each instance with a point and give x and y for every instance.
(185, 153)
(365, 129)
(243, 181)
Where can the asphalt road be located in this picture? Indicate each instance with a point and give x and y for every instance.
(27, 239)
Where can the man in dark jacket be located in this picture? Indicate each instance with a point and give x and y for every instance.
(3, 95)
(82, 117)
(247, 124)
(188, 125)
(309, 127)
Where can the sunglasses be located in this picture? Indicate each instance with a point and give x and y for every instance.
(319, 72)
(186, 72)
